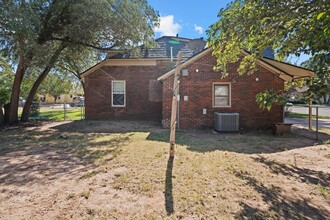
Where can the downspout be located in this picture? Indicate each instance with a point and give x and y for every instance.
(171, 54)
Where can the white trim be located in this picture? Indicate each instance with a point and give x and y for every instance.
(130, 62)
(92, 69)
(112, 105)
(184, 64)
(229, 95)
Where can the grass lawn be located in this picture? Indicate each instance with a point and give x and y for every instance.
(57, 114)
(300, 115)
(121, 170)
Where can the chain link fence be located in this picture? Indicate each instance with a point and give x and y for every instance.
(58, 112)
(298, 115)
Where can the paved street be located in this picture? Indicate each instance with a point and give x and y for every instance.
(323, 111)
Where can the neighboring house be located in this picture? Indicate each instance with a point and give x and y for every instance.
(48, 99)
(128, 87)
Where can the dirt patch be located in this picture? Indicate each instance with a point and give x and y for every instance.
(121, 170)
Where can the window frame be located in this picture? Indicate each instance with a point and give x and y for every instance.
(112, 93)
(229, 94)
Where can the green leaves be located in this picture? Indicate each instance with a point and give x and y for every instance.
(6, 80)
(267, 98)
(322, 14)
(55, 85)
(320, 63)
(288, 27)
(33, 34)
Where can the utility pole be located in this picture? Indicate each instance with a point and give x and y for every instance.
(175, 103)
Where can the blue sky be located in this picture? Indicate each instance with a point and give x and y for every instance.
(191, 18)
(187, 18)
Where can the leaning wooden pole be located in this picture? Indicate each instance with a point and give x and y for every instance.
(175, 103)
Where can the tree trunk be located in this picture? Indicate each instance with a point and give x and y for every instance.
(13, 109)
(41, 77)
(11, 112)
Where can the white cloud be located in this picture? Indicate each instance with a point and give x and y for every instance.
(199, 29)
(167, 26)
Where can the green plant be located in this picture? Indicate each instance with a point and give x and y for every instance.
(325, 192)
(70, 196)
(89, 174)
(269, 97)
(85, 194)
(91, 211)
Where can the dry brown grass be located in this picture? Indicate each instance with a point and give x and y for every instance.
(126, 174)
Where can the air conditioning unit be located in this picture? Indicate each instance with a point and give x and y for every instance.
(226, 121)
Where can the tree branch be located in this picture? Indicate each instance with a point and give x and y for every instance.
(84, 44)
(70, 71)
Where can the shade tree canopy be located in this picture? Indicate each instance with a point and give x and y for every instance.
(288, 27)
(34, 34)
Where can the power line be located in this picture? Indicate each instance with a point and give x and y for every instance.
(119, 13)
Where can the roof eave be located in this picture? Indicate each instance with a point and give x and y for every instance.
(104, 62)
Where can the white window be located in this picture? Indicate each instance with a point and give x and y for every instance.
(221, 95)
(118, 93)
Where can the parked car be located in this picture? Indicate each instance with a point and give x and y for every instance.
(78, 102)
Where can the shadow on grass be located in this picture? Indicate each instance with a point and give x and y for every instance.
(38, 157)
(303, 174)
(200, 141)
(249, 143)
(169, 205)
(107, 126)
(279, 206)
(322, 136)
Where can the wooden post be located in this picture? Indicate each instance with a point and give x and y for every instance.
(317, 123)
(174, 103)
(310, 125)
(64, 108)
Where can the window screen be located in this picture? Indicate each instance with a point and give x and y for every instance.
(118, 93)
(221, 95)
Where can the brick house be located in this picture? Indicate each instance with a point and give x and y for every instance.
(127, 87)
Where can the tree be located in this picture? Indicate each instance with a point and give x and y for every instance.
(74, 62)
(320, 88)
(33, 34)
(288, 27)
(55, 86)
(6, 80)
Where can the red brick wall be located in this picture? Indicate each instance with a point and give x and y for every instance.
(142, 103)
(198, 87)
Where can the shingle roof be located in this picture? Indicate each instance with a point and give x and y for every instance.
(162, 50)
